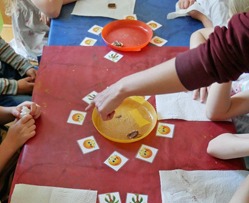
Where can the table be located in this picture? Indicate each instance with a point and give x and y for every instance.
(71, 30)
(53, 157)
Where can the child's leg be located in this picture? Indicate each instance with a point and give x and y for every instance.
(6, 71)
(13, 100)
(229, 146)
(201, 17)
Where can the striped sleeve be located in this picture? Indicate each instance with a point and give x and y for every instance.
(9, 56)
(8, 87)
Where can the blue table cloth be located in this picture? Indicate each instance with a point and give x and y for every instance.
(70, 30)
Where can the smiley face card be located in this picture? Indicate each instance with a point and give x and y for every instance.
(154, 25)
(88, 144)
(116, 161)
(113, 197)
(76, 117)
(87, 41)
(96, 30)
(146, 153)
(158, 41)
(165, 130)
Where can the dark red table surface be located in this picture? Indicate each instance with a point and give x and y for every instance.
(53, 157)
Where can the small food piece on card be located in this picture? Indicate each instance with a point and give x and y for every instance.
(133, 134)
(117, 43)
(25, 111)
(112, 5)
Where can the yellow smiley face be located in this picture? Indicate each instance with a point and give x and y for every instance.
(88, 41)
(130, 18)
(145, 152)
(89, 143)
(96, 29)
(78, 117)
(163, 129)
(114, 160)
(157, 41)
(153, 25)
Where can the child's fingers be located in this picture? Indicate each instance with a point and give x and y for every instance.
(35, 110)
(91, 105)
(26, 119)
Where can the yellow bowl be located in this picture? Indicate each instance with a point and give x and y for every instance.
(134, 117)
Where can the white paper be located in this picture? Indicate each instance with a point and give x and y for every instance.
(24, 193)
(178, 186)
(180, 106)
(100, 8)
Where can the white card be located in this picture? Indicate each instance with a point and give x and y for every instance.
(146, 153)
(89, 98)
(88, 144)
(76, 117)
(147, 97)
(110, 197)
(154, 25)
(113, 56)
(96, 30)
(134, 198)
(165, 130)
(87, 41)
(116, 161)
(158, 41)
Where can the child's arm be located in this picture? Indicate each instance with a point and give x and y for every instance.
(6, 115)
(9, 56)
(221, 106)
(242, 193)
(51, 8)
(19, 132)
(199, 37)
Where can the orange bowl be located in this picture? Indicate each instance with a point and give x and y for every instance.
(133, 35)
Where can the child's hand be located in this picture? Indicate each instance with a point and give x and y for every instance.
(184, 4)
(45, 19)
(25, 85)
(35, 109)
(20, 132)
(31, 73)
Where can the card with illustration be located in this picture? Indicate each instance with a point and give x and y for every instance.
(88, 144)
(113, 56)
(89, 98)
(87, 41)
(136, 198)
(158, 41)
(154, 25)
(116, 161)
(96, 30)
(165, 130)
(146, 153)
(76, 117)
(130, 17)
(113, 197)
